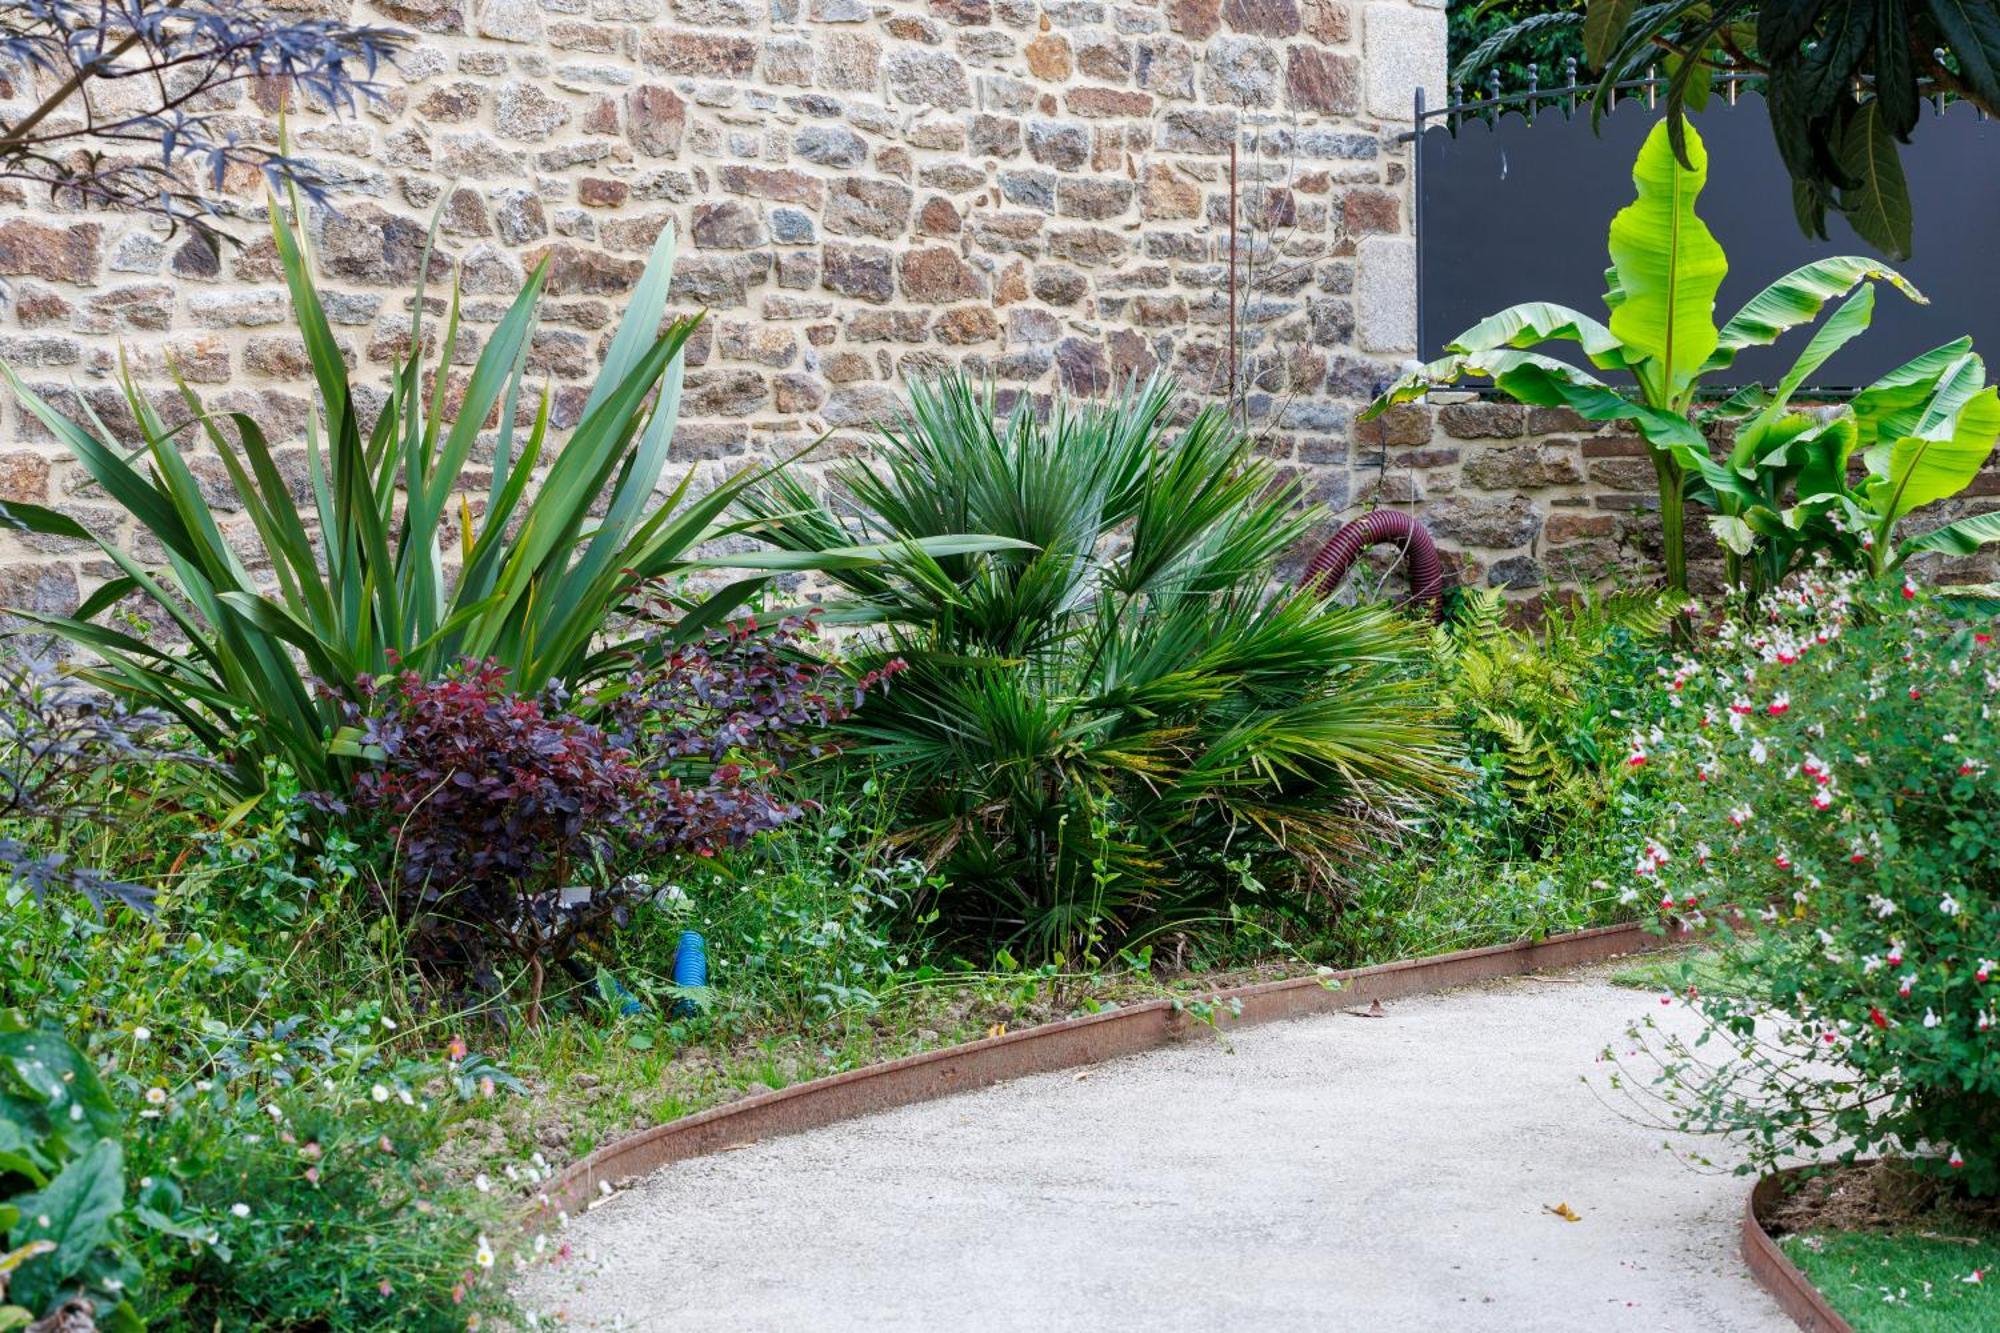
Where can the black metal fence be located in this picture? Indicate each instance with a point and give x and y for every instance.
(1514, 195)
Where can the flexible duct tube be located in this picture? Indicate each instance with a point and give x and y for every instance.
(1375, 528)
(690, 970)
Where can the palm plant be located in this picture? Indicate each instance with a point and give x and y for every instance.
(1095, 724)
(367, 576)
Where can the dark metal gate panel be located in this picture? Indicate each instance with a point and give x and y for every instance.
(1517, 211)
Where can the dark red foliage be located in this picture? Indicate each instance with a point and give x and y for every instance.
(513, 817)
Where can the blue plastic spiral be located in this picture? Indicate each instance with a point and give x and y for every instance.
(690, 970)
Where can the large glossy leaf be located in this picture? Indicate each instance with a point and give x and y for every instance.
(1797, 298)
(1535, 322)
(1894, 404)
(1733, 532)
(1938, 462)
(1876, 199)
(1822, 472)
(1604, 24)
(1972, 28)
(1769, 427)
(1668, 268)
(75, 1212)
(1964, 537)
(1542, 381)
(51, 1091)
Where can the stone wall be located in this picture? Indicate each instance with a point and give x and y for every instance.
(866, 190)
(1522, 498)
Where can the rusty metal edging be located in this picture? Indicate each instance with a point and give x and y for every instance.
(1127, 1030)
(1777, 1274)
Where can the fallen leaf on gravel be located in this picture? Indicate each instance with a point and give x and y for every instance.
(1374, 1010)
(1564, 1211)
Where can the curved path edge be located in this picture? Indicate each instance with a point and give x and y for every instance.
(1791, 1288)
(1127, 1030)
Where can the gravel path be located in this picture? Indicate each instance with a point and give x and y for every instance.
(1331, 1172)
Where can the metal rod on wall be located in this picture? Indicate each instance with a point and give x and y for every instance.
(1232, 276)
(1417, 210)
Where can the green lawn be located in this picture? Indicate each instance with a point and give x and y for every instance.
(1904, 1283)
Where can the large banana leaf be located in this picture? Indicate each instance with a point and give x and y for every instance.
(1667, 269)
(1797, 298)
(1893, 405)
(1950, 444)
(1542, 381)
(1964, 537)
(1535, 322)
(1772, 426)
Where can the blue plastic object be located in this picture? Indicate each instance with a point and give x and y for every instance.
(628, 1003)
(690, 970)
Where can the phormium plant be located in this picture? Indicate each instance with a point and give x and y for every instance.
(370, 577)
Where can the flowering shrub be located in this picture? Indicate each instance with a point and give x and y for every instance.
(244, 1072)
(1839, 766)
(290, 1179)
(513, 816)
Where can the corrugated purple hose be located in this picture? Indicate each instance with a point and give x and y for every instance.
(1375, 528)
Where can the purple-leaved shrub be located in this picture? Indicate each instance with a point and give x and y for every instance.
(514, 819)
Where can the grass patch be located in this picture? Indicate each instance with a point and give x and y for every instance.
(1904, 1282)
(1674, 970)
(1711, 969)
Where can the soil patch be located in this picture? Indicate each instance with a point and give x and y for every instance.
(1879, 1196)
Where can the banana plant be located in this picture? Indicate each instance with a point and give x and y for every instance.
(1660, 332)
(1923, 432)
(369, 575)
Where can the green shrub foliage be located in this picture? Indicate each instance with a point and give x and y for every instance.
(1546, 711)
(62, 1184)
(1839, 765)
(1092, 726)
